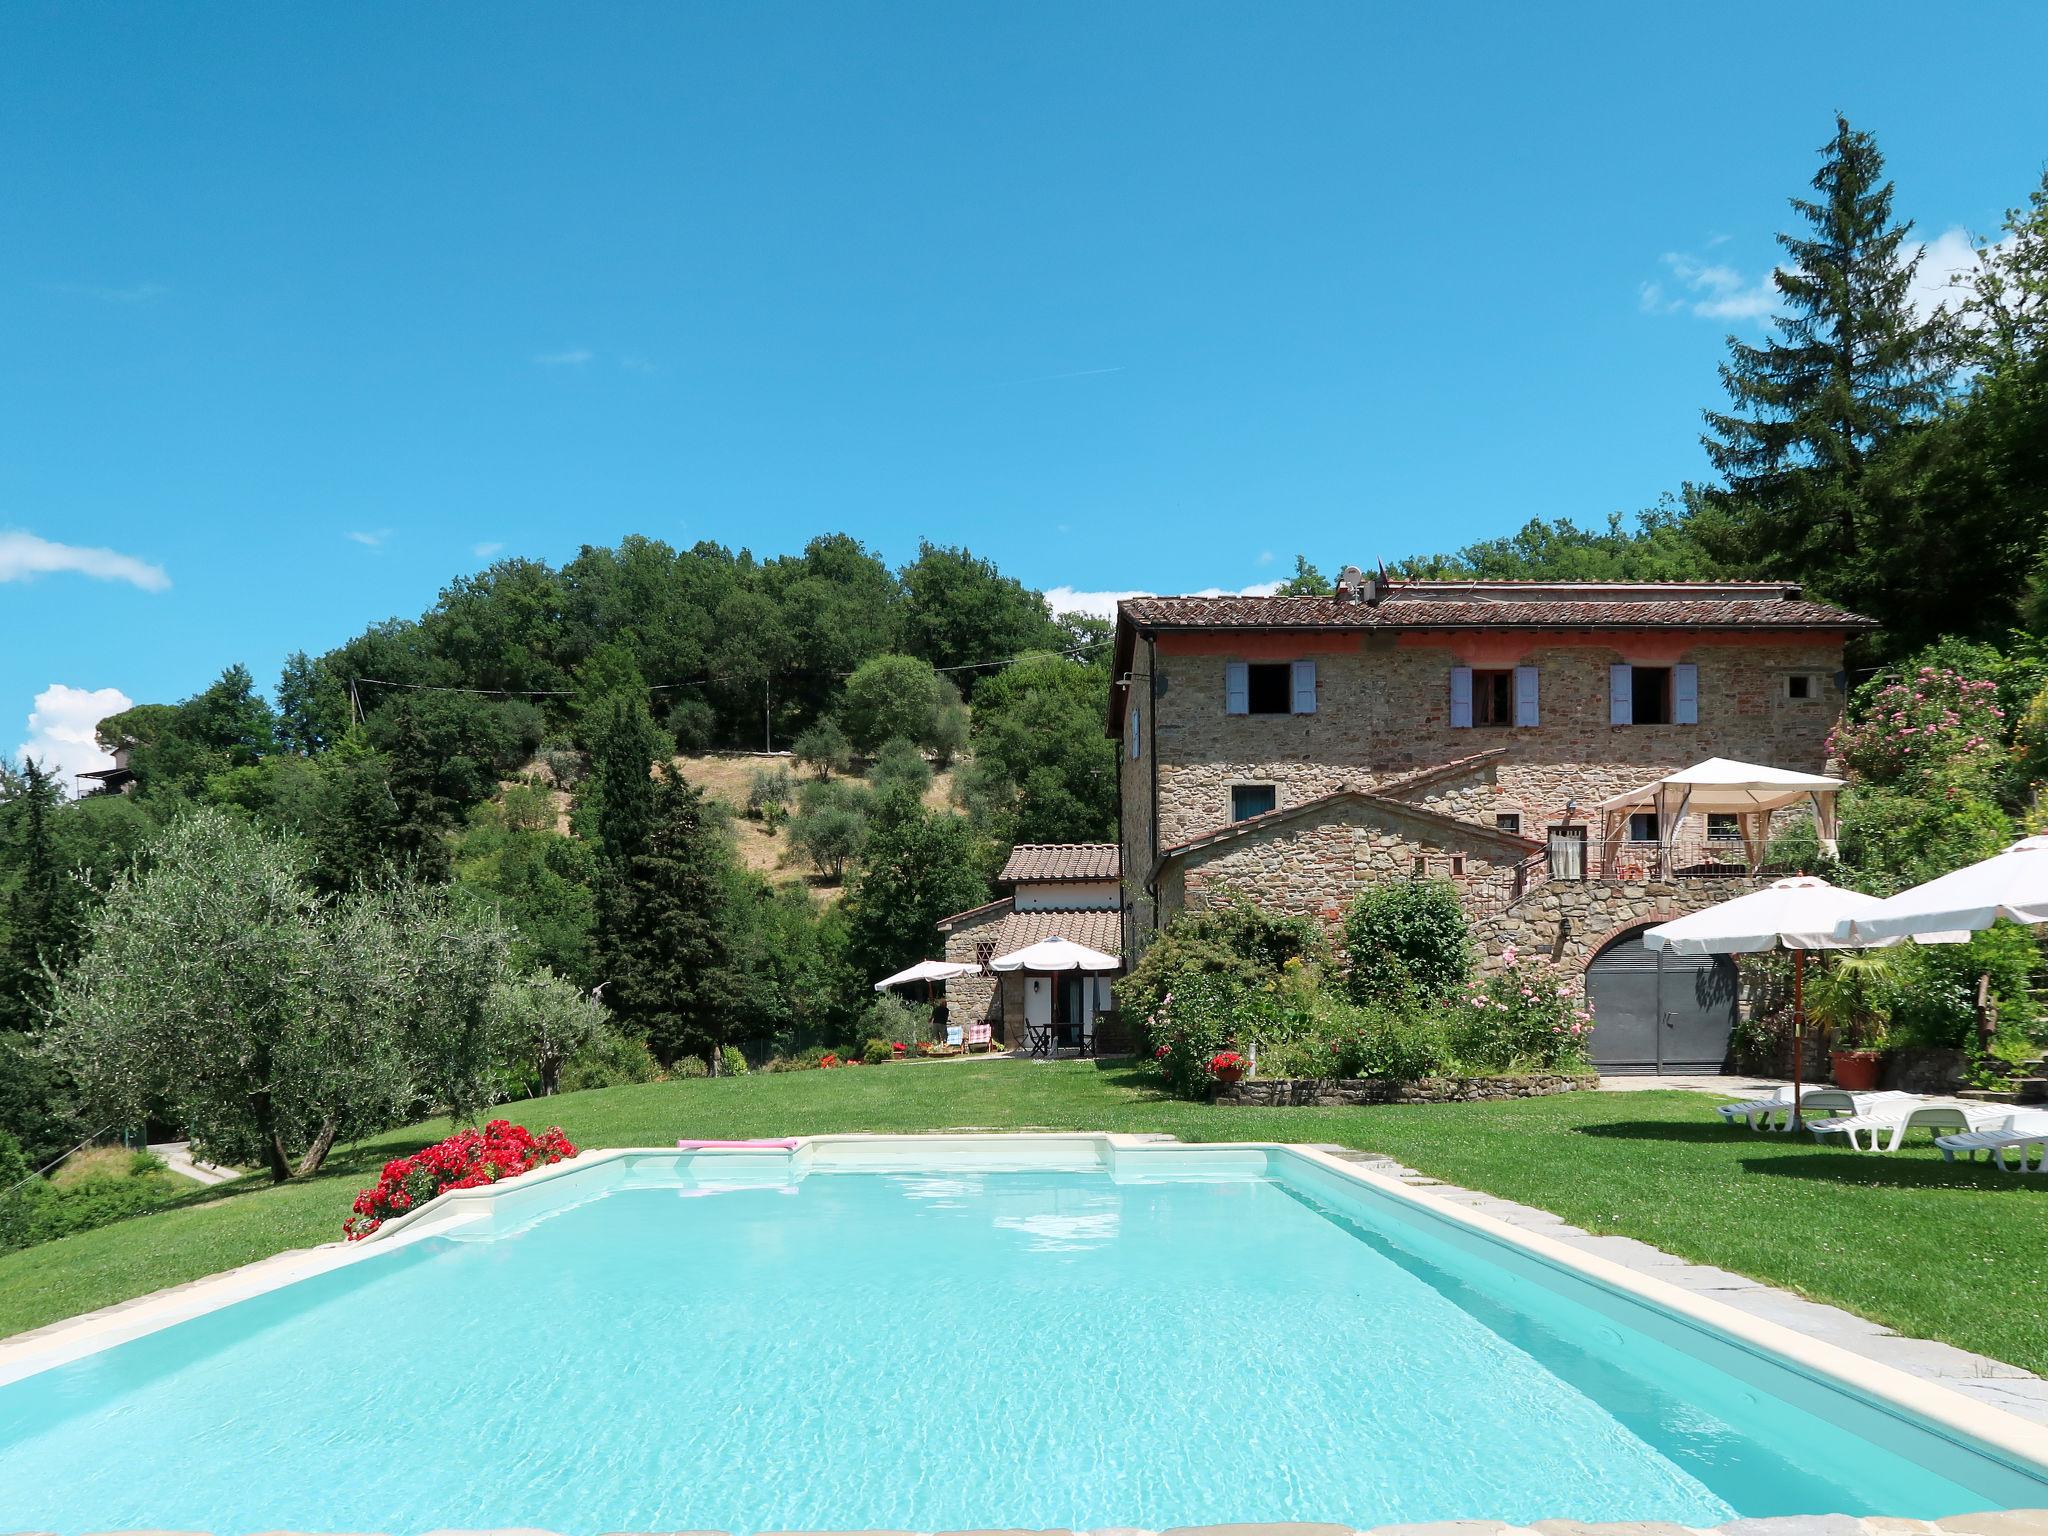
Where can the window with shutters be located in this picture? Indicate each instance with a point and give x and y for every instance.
(1650, 695)
(1248, 800)
(1493, 698)
(1269, 688)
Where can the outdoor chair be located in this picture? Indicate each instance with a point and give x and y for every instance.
(2025, 1135)
(1775, 1113)
(954, 1037)
(980, 1035)
(1892, 1121)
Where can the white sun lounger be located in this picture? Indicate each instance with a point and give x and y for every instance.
(1775, 1113)
(1892, 1121)
(2015, 1133)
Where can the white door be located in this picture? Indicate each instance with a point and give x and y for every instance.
(1037, 1000)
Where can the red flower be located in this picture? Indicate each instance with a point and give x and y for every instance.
(467, 1160)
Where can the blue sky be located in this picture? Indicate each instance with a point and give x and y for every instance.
(307, 308)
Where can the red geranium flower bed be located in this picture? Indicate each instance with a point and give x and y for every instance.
(466, 1160)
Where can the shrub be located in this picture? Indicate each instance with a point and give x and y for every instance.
(900, 763)
(690, 1066)
(769, 792)
(1391, 1044)
(1407, 938)
(1190, 1027)
(824, 749)
(467, 1160)
(1233, 940)
(142, 1161)
(608, 1059)
(830, 826)
(889, 1017)
(1933, 722)
(875, 1052)
(693, 723)
(890, 696)
(1530, 1016)
(733, 1061)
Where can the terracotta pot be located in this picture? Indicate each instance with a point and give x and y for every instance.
(1857, 1070)
(1230, 1077)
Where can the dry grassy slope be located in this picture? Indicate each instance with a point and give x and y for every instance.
(724, 776)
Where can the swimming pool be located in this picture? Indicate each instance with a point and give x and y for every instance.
(960, 1334)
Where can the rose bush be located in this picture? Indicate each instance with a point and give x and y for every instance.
(466, 1160)
(1531, 1015)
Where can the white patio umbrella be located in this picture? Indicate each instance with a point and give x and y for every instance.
(1799, 914)
(926, 971)
(2012, 884)
(1056, 954)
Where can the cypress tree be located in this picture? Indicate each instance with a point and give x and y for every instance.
(1848, 367)
(669, 924)
(41, 916)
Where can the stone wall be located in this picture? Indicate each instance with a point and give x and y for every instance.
(1571, 921)
(1326, 1092)
(1383, 706)
(1316, 865)
(971, 999)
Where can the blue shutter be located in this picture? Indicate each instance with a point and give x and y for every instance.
(1526, 712)
(1136, 712)
(1237, 688)
(1621, 694)
(1685, 694)
(1304, 680)
(1461, 698)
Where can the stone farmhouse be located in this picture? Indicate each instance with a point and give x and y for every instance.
(1297, 749)
(1053, 890)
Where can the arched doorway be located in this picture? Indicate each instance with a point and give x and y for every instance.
(1659, 1012)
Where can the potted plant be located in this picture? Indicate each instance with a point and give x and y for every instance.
(1848, 1000)
(1228, 1068)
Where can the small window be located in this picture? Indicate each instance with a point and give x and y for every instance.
(983, 953)
(1642, 827)
(1493, 698)
(1457, 865)
(1723, 827)
(1802, 687)
(1509, 821)
(1650, 695)
(1270, 689)
(1419, 867)
(1252, 800)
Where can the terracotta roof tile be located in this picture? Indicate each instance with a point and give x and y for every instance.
(1095, 930)
(1510, 604)
(1061, 861)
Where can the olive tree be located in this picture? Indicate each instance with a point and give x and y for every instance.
(195, 996)
(548, 1022)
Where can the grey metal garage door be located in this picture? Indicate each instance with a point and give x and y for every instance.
(1655, 1012)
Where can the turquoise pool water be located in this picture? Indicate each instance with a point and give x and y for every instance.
(942, 1351)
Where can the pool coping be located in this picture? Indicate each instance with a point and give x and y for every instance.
(1620, 1264)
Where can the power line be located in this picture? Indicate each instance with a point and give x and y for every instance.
(1070, 652)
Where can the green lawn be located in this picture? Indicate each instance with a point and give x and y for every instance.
(1946, 1253)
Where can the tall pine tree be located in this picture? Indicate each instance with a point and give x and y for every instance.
(668, 928)
(1849, 367)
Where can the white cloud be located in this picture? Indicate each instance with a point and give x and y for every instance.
(485, 550)
(1717, 291)
(60, 726)
(24, 556)
(1712, 290)
(572, 357)
(1103, 604)
(370, 539)
(1948, 256)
